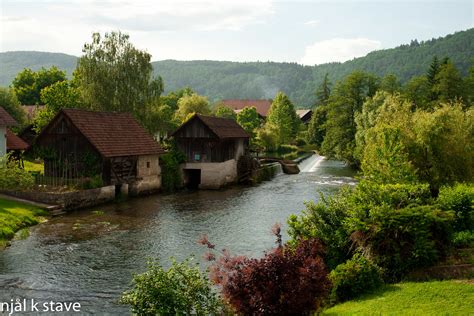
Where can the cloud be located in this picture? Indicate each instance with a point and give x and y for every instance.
(170, 15)
(338, 50)
(312, 23)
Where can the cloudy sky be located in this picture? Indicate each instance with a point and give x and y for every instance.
(308, 32)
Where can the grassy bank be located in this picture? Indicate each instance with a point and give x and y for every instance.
(427, 298)
(15, 216)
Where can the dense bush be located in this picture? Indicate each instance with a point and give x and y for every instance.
(170, 172)
(463, 238)
(181, 290)
(460, 199)
(400, 240)
(396, 225)
(325, 220)
(286, 281)
(12, 177)
(356, 276)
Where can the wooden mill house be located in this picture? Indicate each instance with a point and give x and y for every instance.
(212, 147)
(113, 146)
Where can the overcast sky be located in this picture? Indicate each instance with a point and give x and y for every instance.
(308, 32)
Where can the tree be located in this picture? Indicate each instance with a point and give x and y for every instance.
(316, 127)
(282, 114)
(189, 104)
(113, 75)
(249, 119)
(449, 83)
(28, 84)
(390, 84)
(323, 92)
(418, 91)
(267, 137)
(10, 103)
(224, 112)
(345, 102)
(172, 98)
(59, 95)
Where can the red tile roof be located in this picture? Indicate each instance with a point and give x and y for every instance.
(221, 127)
(5, 118)
(14, 142)
(262, 106)
(113, 134)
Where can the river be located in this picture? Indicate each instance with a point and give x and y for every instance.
(89, 256)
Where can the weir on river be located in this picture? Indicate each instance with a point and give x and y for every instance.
(89, 256)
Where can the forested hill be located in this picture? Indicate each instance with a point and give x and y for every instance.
(221, 79)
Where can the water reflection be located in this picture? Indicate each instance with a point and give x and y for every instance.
(90, 255)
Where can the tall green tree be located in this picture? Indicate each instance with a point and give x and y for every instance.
(172, 98)
(324, 91)
(113, 75)
(345, 102)
(190, 104)
(9, 102)
(390, 84)
(282, 114)
(249, 119)
(317, 127)
(449, 83)
(417, 90)
(28, 84)
(225, 112)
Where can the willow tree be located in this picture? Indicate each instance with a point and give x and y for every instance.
(113, 75)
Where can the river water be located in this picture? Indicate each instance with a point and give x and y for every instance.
(89, 256)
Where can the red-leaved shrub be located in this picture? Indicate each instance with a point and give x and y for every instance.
(287, 280)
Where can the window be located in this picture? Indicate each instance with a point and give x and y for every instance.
(148, 164)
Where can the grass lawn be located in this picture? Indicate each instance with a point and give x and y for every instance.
(455, 297)
(15, 216)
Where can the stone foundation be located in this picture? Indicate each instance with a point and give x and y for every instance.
(214, 175)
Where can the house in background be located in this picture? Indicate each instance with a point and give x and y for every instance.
(5, 121)
(212, 147)
(262, 106)
(304, 115)
(80, 143)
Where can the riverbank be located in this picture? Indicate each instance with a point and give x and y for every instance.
(15, 216)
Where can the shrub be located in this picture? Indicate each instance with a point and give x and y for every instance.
(356, 276)
(286, 281)
(404, 239)
(13, 177)
(460, 199)
(325, 220)
(170, 172)
(300, 142)
(181, 290)
(463, 239)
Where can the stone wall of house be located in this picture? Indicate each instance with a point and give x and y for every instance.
(69, 200)
(215, 175)
(3, 140)
(148, 175)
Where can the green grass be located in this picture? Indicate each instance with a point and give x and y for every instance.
(425, 298)
(15, 216)
(34, 166)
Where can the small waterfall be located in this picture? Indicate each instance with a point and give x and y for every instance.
(311, 164)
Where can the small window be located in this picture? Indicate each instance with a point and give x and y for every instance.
(148, 164)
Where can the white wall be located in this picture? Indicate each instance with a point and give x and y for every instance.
(3, 140)
(215, 174)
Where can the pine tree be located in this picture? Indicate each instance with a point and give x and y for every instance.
(324, 91)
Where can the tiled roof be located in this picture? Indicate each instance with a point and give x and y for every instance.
(14, 142)
(5, 118)
(262, 106)
(113, 134)
(221, 127)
